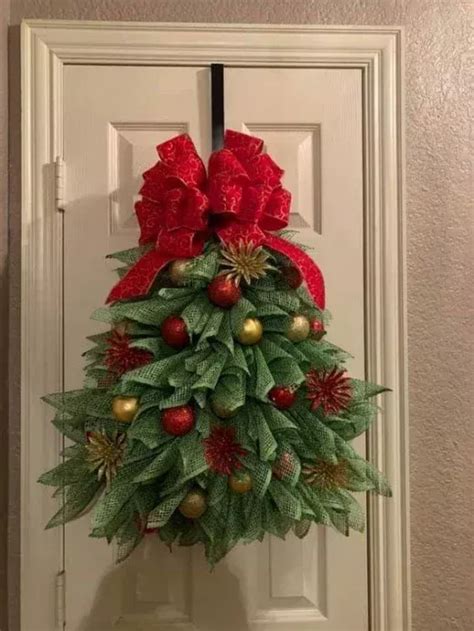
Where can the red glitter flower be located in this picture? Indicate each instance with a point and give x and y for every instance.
(222, 451)
(120, 357)
(331, 390)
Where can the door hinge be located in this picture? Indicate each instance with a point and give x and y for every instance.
(59, 177)
(61, 601)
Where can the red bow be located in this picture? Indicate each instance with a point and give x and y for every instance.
(244, 195)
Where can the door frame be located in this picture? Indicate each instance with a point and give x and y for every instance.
(47, 45)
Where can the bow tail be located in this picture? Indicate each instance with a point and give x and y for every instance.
(139, 279)
(305, 264)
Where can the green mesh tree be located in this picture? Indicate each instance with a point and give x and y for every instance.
(214, 411)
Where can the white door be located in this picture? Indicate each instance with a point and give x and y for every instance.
(311, 123)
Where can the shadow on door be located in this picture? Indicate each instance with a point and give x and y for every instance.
(147, 593)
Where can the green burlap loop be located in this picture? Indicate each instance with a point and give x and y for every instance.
(285, 499)
(277, 420)
(68, 472)
(259, 430)
(224, 335)
(230, 391)
(154, 345)
(110, 527)
(160, 515)
(274, 522)
(162, 463)
(211, 329)
(180, 396)
(286, 372)
(200, 397)
(287, 346)
(217, 490)
(237, 359)
(196, 314)
(158, 373)
(204, 267)
(262, 375)
(193, 462)
(147, 429)
(72, 427)
(210, 372)
(130, 256)
(239, 312)
(286, 300)
(191, 363)
(301, 528)
(312, 506)
(261, 473)
(152, 311)
(75, 500)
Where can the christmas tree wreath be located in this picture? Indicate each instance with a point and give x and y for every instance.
(214, 411)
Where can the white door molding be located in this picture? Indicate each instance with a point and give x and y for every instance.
(46, 47)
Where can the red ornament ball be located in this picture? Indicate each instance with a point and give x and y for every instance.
(178, 421)
(282, 397)
(223, 292)
(174, 332)
(317, 329)
(292, 276)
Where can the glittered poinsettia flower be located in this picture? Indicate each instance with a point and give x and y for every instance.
(330, 390)
(222, 451)
(120, 356)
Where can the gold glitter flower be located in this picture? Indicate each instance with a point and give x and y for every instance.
(245, 261)
(326, 475)
(105, 453)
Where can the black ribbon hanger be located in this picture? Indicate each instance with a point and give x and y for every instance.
(217, 105)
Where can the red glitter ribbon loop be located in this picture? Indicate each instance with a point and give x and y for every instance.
(172, 214)
(244, 190)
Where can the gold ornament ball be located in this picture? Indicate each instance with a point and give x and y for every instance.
(221, 410)
(251, 332)
(194, 504)
(298, 329)
(240, 482)
(178, 271)
(124, 409)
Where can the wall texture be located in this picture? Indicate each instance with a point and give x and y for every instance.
(439, 241)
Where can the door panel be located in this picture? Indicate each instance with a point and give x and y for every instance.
(311, 121)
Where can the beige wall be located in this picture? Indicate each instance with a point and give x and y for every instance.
(439, 236)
